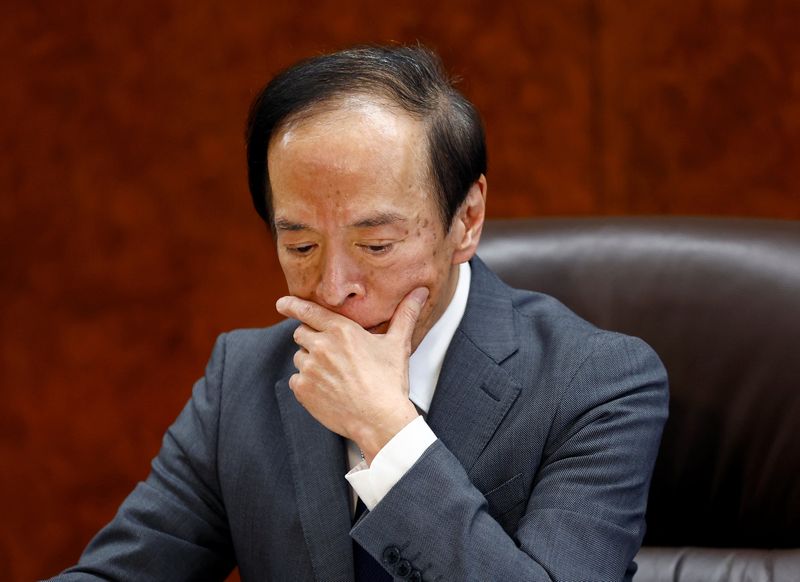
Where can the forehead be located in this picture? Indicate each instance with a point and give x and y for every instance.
(356, 152)
(350, 130)
(375, 113)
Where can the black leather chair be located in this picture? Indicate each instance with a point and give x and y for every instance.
(719, 300)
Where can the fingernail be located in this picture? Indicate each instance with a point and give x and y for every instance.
(281, 303)
(420, 294)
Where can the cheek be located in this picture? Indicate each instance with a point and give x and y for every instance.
(418, 271)
(299, 278)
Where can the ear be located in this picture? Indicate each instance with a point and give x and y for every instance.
(468, 222)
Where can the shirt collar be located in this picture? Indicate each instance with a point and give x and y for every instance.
(426, 362)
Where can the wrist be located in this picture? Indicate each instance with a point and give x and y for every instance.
(373, 437)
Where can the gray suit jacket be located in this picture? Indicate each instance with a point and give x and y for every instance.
(548, 431)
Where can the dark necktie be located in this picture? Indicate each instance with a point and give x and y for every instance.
(367, 569)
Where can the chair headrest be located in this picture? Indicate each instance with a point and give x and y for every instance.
(719, 300)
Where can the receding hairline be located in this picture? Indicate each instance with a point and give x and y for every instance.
(408, 79)
(346, 101)
(352, 101)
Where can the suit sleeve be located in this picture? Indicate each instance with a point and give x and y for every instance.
(173, 525)
(584, 517)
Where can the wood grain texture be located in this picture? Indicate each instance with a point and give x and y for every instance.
(701, 107)
(126, 235)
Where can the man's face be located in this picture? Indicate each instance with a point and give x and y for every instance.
(356, 217)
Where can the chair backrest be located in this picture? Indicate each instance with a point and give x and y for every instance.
(719, 300)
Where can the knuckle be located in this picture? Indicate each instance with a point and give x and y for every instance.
(344, 338)
(311, 343)
(305, 310)
(299, 386)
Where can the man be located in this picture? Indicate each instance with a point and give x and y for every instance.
(489, 433)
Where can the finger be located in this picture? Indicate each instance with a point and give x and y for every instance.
(406, 315)
(294, 383)
(313, 315)
(299, 359)
(304, 336)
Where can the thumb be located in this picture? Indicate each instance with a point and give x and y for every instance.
(405, 316)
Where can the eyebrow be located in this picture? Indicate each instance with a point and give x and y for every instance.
(287, 225)
(380, 219)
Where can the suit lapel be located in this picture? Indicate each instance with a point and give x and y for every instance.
(472, 397)
(474, 392)
(317, 459)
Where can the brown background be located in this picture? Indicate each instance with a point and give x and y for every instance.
(127, 239)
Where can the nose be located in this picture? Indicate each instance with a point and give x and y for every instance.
(340, 279)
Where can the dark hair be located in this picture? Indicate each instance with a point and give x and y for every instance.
(410, 77)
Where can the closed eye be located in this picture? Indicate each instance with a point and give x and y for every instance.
(300, 249)
(376, 249)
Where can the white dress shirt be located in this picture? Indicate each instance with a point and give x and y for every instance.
(372, 482)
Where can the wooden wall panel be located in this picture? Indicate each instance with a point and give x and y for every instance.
(127, 239)
(701, 107)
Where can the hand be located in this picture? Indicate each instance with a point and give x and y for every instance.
(354, 382)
